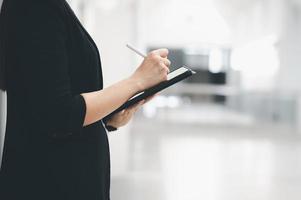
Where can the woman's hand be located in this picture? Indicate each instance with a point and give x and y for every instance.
(123, 117)
(153, 70)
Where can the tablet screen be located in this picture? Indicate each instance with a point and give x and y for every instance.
(176, 73)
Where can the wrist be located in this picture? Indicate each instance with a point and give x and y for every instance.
(136, 84)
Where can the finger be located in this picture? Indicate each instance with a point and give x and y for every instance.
(121, 112)
(131, 112)
(161, 52)
(166, 69)
(166, 62)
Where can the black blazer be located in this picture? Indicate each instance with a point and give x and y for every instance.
(50, 60)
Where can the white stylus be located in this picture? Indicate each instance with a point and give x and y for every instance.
(136, 51)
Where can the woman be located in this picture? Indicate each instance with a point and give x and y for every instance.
(56, 145)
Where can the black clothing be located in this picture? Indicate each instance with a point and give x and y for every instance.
(50, 60)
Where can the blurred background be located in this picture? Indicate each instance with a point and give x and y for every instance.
(233, 131)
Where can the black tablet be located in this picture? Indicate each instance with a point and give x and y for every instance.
(172, 78)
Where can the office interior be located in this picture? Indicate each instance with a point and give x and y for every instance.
(232, 131)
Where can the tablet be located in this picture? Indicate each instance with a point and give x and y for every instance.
(172, 78)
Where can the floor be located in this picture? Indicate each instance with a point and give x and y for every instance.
(171, 160)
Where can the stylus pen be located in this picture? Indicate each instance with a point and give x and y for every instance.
(136, 51)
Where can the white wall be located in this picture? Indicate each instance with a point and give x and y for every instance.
(256, 28)
(290, 49)
(252, 20)
(181, 23)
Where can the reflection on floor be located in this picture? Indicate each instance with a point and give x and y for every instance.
(174, 161)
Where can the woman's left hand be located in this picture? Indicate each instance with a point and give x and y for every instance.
(123, 117)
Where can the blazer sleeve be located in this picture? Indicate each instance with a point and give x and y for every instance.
(40, 39)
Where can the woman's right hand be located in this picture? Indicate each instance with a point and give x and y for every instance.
(153, 70)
